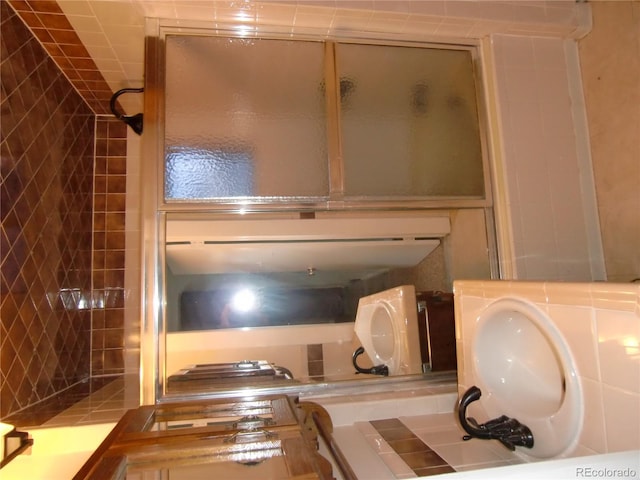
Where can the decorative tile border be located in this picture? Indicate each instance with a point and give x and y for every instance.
(416, 454)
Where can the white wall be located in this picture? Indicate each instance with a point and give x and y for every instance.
(610, 65)
(282, 346)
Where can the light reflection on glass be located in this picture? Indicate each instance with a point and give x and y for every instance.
(631, 346)
(244, 301)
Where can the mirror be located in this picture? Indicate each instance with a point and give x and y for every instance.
(278, 270)
(278, 295)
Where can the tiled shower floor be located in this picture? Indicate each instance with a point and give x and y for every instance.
(105, 405)
(100, 400)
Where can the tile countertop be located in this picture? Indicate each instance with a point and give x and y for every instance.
(57, 453)
(347, 410)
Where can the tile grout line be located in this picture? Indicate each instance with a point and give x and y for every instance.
(416, 454)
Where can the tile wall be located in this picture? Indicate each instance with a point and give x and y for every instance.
(113, 31)
(109, 206)
(53, 30)
(545, 165)
(601, 324)
(47, 186)
(49, 135)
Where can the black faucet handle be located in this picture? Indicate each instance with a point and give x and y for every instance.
(509, 431)
(376, 370)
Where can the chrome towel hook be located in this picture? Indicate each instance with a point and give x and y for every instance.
(134, 121)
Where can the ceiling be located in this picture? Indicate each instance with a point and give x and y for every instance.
(113, 31)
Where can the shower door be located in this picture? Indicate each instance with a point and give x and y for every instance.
(270, 126)
(244, 119)
(268, 120)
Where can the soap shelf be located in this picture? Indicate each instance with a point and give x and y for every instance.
(15, 443)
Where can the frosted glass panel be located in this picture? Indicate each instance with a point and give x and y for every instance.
(409, 122)
(244, 118)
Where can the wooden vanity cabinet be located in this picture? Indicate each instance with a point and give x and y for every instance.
(267, 437)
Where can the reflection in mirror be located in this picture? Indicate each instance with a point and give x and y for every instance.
(292, 317)
(261, 301)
